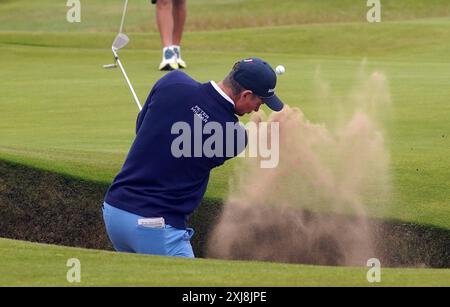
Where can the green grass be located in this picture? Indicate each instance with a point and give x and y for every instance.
(206, 15)
(32, 264)
(74, 117)
(60, 111)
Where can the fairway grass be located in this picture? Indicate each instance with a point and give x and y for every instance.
(206, 15)
(61, 111)
(32, 264)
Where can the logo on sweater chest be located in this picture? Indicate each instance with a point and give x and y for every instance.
(200, 113)
(225, 139)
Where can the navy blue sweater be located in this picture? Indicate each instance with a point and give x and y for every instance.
(154, 182)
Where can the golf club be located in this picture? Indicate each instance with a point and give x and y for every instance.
(107, 66)
(125, 7)
(119, 42)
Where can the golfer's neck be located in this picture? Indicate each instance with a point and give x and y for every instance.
(226, 90)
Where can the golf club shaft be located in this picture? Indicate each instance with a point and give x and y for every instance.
(128, 81)
(123, 15)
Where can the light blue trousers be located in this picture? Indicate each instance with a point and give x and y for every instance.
(127, 235)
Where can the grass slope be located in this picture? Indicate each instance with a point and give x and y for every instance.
(73, 117)
(32, 264)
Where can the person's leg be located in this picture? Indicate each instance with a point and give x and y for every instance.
(165, 22)
(128, 235)
(150, 240)
(116, 229)
(178, 242)
(179, 12)
(179, 18)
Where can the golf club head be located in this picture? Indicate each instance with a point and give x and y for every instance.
(110, 66)
(120, 41)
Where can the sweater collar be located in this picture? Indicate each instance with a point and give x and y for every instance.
(222, 99)
(221, 92)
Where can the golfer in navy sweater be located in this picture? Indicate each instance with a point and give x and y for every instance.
(166, 172)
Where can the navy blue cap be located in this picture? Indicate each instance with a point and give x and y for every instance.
(256, 75)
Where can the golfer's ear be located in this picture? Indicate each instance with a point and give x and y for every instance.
(246, 93)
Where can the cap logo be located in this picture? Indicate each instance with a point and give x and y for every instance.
(248, 60)
(271, 90)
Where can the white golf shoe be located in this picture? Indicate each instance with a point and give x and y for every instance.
(169, 60)
(180, 62)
